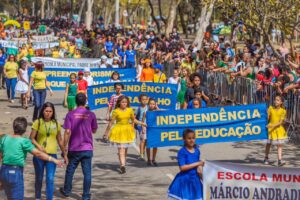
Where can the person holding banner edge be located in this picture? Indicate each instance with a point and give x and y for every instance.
(122, 134)
(187, 184)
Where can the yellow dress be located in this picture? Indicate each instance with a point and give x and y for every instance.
(277, 134)
(122, 132)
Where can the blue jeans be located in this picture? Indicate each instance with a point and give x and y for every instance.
(10, 87)
(130, 64)
(39, 97)
(39, 167)
(85, 158)
(12, 181)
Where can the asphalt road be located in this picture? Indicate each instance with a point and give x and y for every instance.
(140, 182)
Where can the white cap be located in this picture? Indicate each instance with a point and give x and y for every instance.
(116, 58)
(87, 69)
(104, 57)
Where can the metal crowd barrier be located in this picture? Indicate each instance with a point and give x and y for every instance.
(241, 90)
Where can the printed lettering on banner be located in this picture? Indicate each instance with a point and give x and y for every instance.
(234, 181)
(211, 125)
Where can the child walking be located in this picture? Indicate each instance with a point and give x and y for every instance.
(187, 184)
(22, 84)
(139, 115)
(122, 134)
(277, 133)
(152, 106)
(70, 93)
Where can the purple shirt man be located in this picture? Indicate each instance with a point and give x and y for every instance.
(81, 123)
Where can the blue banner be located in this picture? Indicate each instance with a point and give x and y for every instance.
(58, 77)
(211, 125)
(164, 94)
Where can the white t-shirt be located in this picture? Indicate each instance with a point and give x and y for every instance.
(89, 80)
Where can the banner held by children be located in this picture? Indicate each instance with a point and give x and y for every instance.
(233, 181)
(164, 94)
(59, 77)
(68, 62)
(220, 124)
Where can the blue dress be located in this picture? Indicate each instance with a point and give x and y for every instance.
(187, 185)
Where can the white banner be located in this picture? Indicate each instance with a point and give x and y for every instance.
(44, 38)
(233, 181)
(44, 45)
(35, 45)
(9, 44)
(68, 62)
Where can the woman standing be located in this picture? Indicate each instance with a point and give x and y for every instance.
(147, 74)
(122, 134)
(11, 74)
(130, 57)
(45, 135)
(38, 80)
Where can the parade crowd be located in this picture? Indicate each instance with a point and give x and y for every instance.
(157, 58)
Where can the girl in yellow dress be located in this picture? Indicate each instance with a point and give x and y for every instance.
(277, 133)
(122, 134)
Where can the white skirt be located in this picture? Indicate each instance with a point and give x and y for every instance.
(21, 87)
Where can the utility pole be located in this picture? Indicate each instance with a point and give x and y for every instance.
(117, 17)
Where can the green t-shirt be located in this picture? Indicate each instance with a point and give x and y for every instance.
(14, 150)
(221, 64)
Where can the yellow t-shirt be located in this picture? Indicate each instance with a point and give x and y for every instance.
(11, 69)
(159, 78)
(39, 80)
(77, 56)
(55, 54)
(72, 49)
(46, 134)
(31, 51)
(63, 45)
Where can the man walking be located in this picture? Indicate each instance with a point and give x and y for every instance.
(79, 125)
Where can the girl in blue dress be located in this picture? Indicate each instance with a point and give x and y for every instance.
(187, 184)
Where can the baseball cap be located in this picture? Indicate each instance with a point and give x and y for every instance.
(157, 66)
(86, 69)
(80, 73)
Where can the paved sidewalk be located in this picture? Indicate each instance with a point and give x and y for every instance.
(140, 182)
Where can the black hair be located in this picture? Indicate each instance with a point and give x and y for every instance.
(119, 84)
(194, 75)
(47, 105)
(142, 95)
(186, 132)
(80, 99)
(151, 99)
(199, 100)
(20, 125)
(281, 98)
(197, 90)
(115, 72)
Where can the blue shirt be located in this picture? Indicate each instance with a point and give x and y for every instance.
(190, 105)
(79, 42)
(185, 158)
(148, 45)
(122, 54)
(2, 60)
(109, 46)
(130, 55)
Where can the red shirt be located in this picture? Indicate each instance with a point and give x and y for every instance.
(82, 85)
